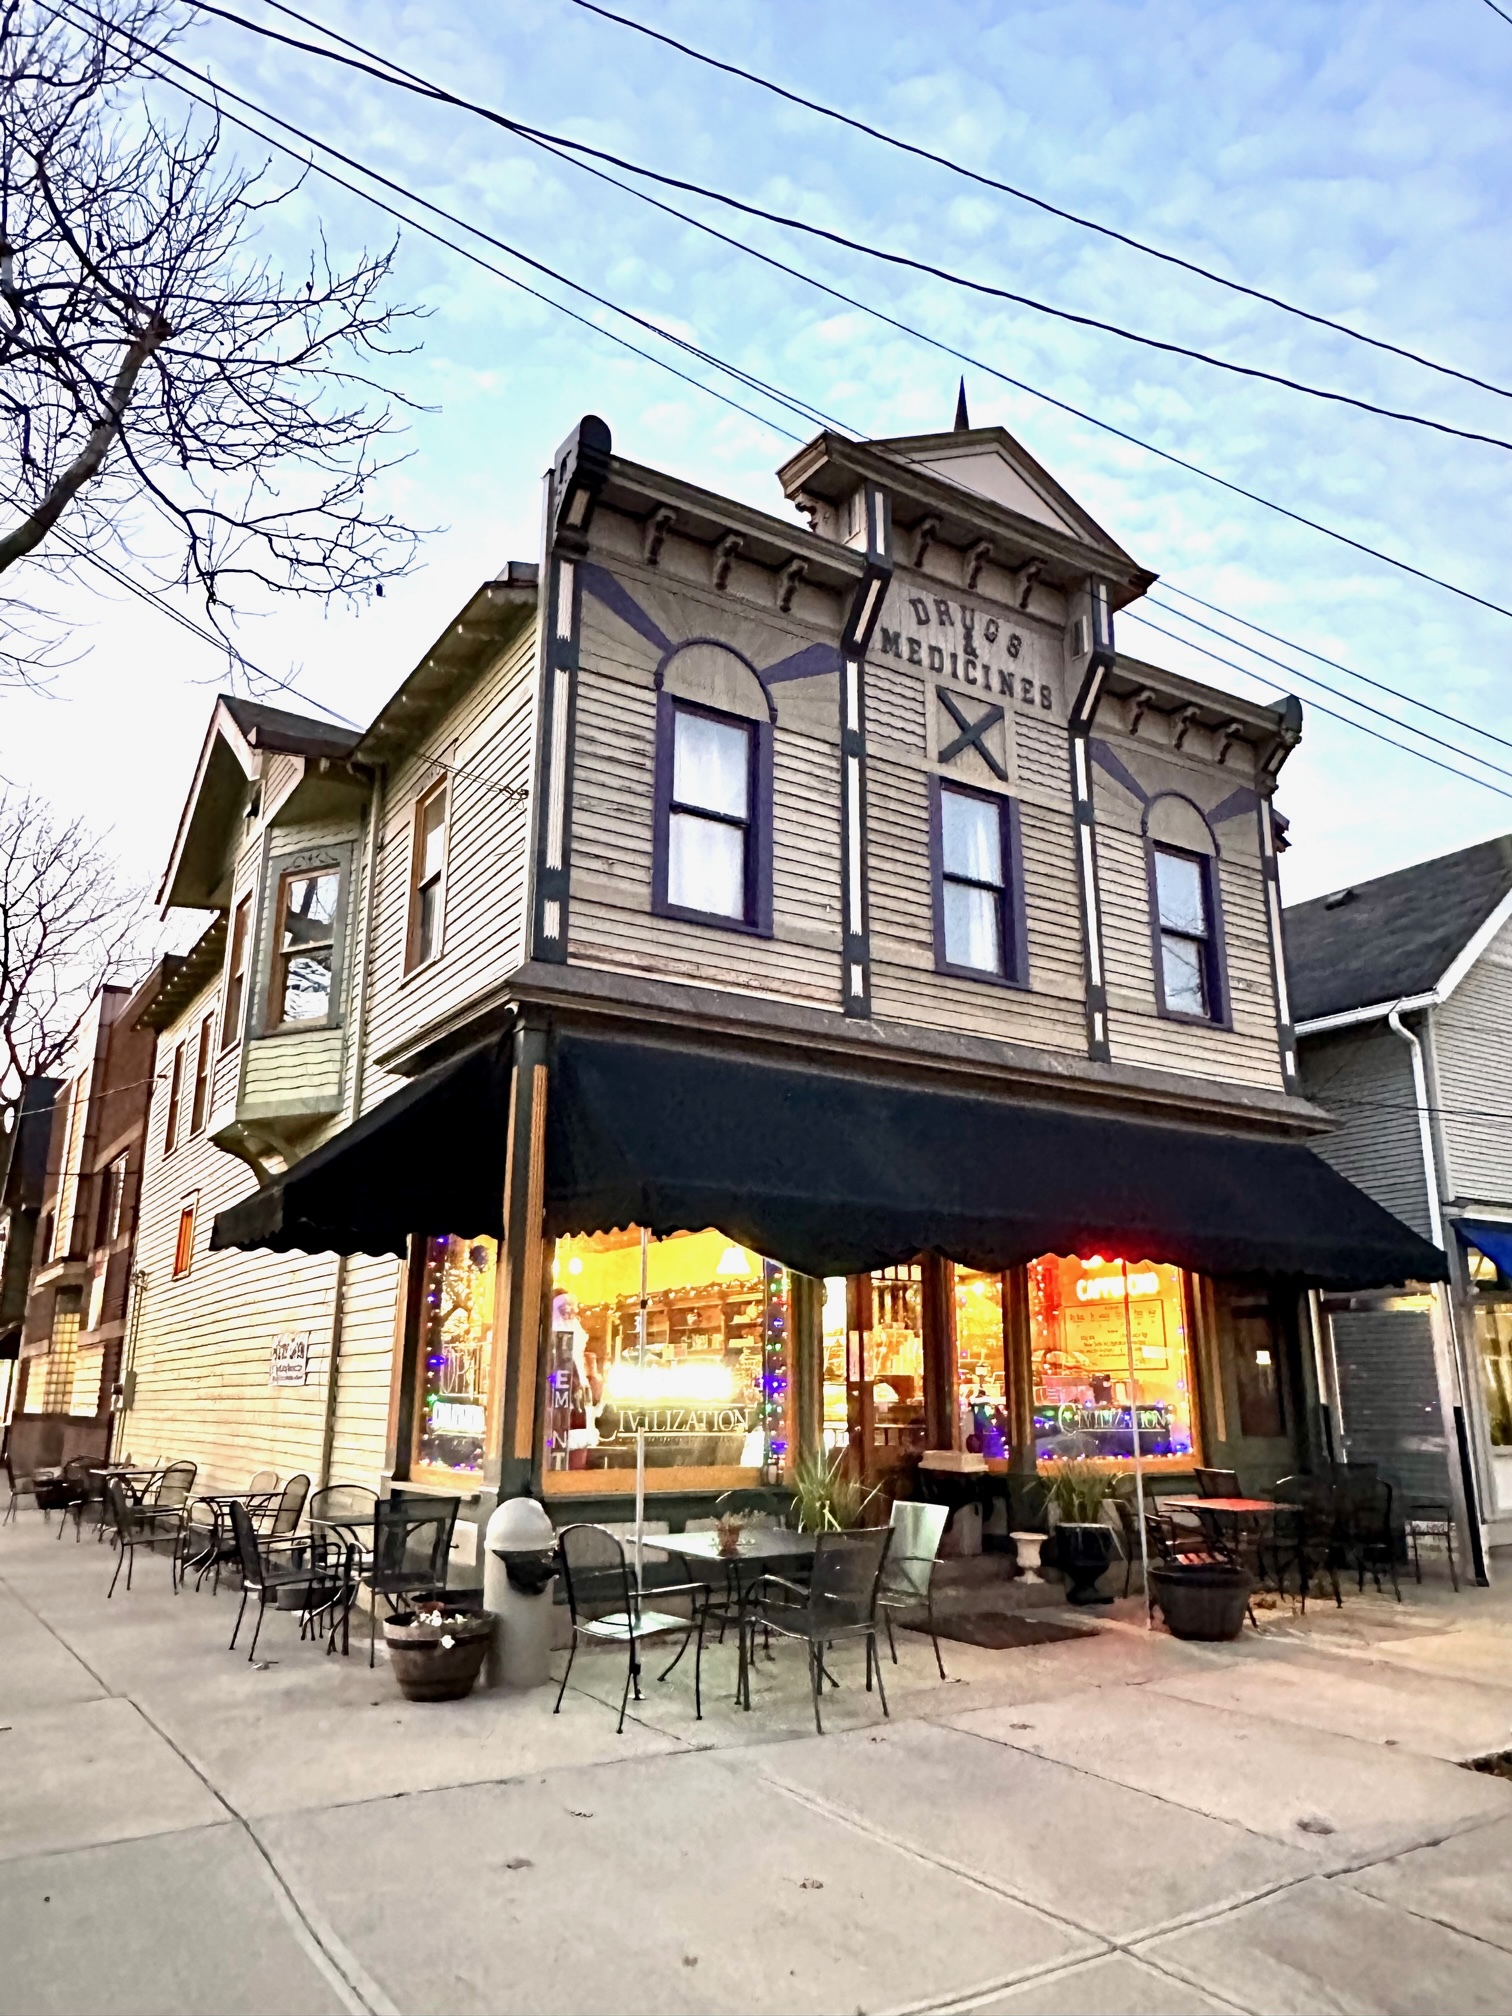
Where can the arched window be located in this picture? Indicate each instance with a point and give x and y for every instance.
(1186, 916)
(712, 861)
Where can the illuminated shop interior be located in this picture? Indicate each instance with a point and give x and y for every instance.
(456, 1354)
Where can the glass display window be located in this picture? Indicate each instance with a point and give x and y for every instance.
(1493, 1338)
(981, 1387)
(456, 1354)
(1081, 1328)
(706, 1377)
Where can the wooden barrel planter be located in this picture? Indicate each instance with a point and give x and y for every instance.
(1202, 1599)
(437, 1655)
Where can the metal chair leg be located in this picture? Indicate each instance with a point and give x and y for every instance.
(871, 1640)
(934, 1636)
(262, 1605)
(242, 1611)
(892, 1643)
(120, 1557)
(571, 1655)
(816, 1680)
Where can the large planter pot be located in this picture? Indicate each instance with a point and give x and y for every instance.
(1202, 1599)
(437, 1659)
(1083, 1554)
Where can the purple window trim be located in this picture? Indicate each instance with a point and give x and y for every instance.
(1215, 963)
(757, 921)
(1013, 913)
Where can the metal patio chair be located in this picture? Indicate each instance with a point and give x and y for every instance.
(134, 1526)
(1431, 1519)
(1305, 1535)
(1217, 1483)
(1165, 1541)
(21, 1484)
(607, 1608)
(908, 1576)
(1366, 1530)
(839, 1603)
(411, 1544)
(265, 1570)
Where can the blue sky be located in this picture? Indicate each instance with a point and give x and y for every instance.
(1350, 157)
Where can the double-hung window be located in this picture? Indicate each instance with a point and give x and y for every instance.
(304, 946)
(979, 926)
(710, 857)
(427, 868)
(175, 1100)
(236, 974)
(201, 1098)
(1186, 944)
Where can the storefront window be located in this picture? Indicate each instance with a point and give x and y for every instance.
(1081, 1329)
(456, 1340)
(1493, 1335)
(708, 1382)
(981, 1393)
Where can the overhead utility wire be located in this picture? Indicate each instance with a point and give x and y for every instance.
(1467, 776)
(1500, 11)
(814, 415)
(1023, 195)
(991, 370)
(1404, 748)
(1311, 678)
(404, 80)
(1440, 713)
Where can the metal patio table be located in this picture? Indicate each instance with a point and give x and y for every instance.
(762, 1549)
(1228, 1515)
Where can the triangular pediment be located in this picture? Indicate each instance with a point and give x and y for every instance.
(990, 463)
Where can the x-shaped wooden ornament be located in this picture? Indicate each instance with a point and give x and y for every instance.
(972, 734)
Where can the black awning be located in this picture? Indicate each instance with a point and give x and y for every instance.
(429, 1159)
(835, 1174)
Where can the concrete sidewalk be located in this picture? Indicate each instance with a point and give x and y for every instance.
(1115, 1823)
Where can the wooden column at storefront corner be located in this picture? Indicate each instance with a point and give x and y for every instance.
(937, 1312)
(512, 1437)
(806, 1312)
(1018, 1371)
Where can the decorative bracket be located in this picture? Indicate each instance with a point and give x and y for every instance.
(976, 559)
(788, 583)
(658, 525)
(724, 558)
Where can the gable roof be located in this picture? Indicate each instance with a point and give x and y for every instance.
(290, 734)
(992, 463)
(1396, 937)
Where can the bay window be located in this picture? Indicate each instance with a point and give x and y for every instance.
(304, 952)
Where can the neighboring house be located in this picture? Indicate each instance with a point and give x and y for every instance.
(752, 989)
(22, 1181)
(74, 1331)
(1402, 992)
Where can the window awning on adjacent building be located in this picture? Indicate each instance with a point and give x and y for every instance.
(429, 1159)
(837, 1174)
(1495, 1241)
(828, 1172)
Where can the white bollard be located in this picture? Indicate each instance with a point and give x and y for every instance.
(520, 1654)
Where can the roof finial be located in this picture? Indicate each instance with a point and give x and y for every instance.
(962, 424)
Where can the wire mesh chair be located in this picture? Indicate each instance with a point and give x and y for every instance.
(283, 1518)
(71, 1489)
(908, 1576)
(21, 1484)
(265, 1570)
(840, 1602)
(264, 1484)
(1166, 1543)
(606, 1607)
(1366, 1530)
(1305, 1535)
(1431, 1519)
(411, 1542)
(1217, 1483)
(135, 1526)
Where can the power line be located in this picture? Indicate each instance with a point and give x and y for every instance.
(1396, 692)
(1311, 678)
(960, 356)
(1500, 11)
(366, 195)
(1023, 195)
(1468, 777)
(403, 80)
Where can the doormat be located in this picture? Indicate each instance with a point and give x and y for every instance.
(1000, 1631)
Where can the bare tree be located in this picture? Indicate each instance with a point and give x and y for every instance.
(66, 926)
(165, 391)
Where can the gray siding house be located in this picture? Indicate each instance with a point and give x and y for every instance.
(1402, 992)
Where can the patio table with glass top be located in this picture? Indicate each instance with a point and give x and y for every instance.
(762, 1550)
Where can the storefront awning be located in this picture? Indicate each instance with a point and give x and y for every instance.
(1495, 1241)
(835, 1174)
(429, 1159)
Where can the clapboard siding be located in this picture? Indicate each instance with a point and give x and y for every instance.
(1472, 1052)
(905, 985)
(300, 1072)
(612, 819)
(894, 709)
(486, 741)
(370, 1304)
(1362, 1078)
(1246, 1053)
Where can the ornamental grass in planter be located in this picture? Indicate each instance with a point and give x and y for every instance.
(437, 1653)
(1082, 1544)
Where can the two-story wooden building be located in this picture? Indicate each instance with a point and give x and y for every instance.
(759, 984)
